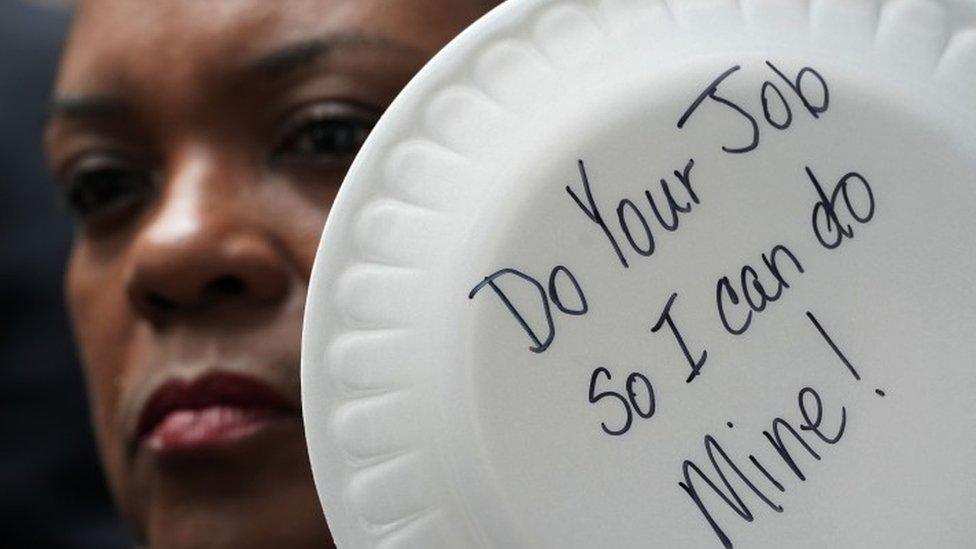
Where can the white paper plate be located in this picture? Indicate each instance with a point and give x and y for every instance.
(435, 419)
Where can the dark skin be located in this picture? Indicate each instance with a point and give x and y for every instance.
(200, 146)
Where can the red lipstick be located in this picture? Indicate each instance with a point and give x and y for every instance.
(215, 410)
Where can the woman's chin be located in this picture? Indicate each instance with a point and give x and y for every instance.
(245, 491)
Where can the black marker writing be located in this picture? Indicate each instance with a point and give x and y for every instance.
(637, 385)
(540, 344)
(723, 466)
(840, 354)
(711, 92)
(636, 225)
(667, 318)
(780, 118)
(813, 424)
(592, 212)
(797, 86)
(753, 293)
(827, 225)
(768, 113)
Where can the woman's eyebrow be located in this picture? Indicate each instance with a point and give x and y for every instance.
(87, 106)
(278, 63)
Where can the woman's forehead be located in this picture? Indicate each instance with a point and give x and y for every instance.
(122, 39)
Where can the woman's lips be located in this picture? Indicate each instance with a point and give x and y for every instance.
(215, 410)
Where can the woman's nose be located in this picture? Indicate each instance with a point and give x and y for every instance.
(198, 254)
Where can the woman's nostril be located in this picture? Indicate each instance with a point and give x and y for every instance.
(227, 286)
(160, 303)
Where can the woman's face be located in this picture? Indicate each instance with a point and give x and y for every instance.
(200, 145)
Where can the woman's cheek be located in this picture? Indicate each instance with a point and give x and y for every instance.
(102, 324)
(298, 210)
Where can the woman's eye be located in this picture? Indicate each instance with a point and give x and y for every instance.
(324, 137)
(95, 191)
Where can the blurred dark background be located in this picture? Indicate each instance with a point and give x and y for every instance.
(52, 493)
